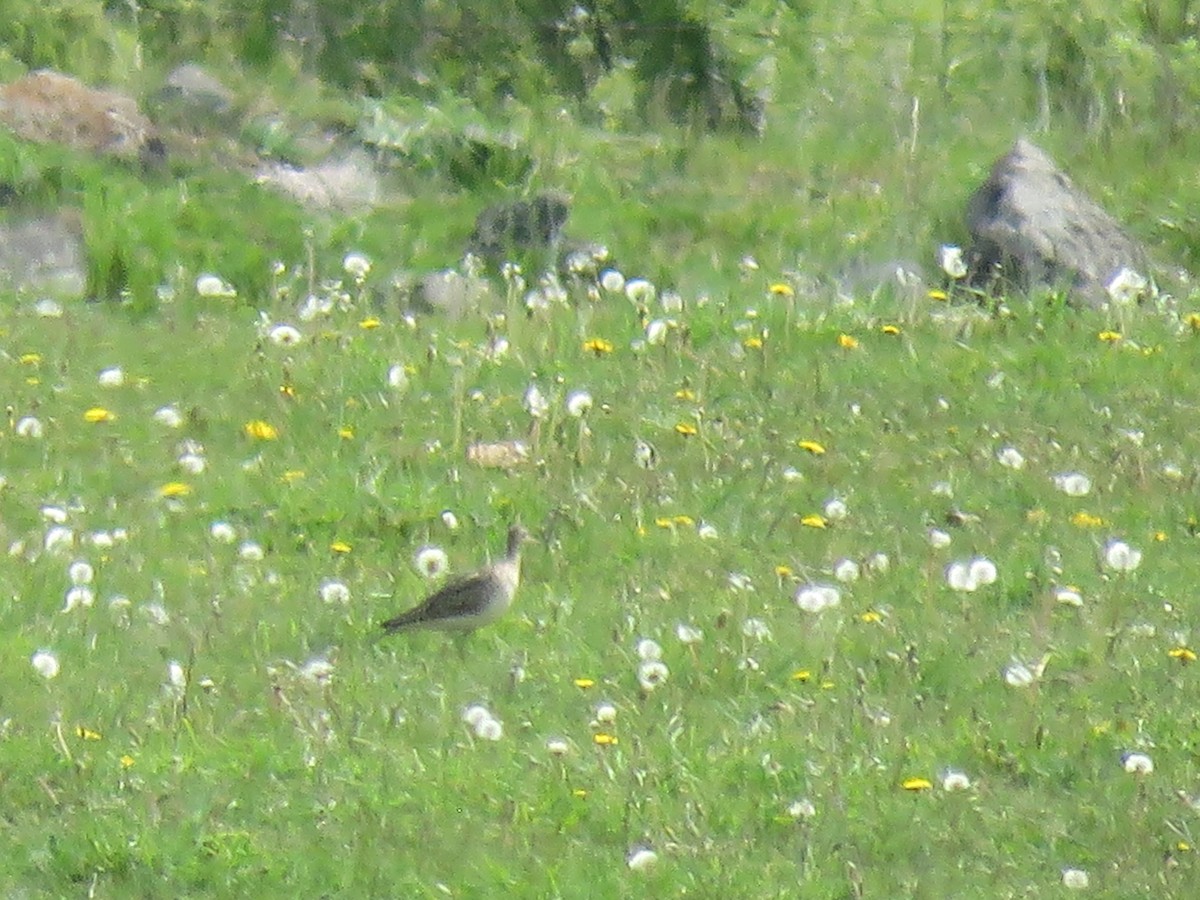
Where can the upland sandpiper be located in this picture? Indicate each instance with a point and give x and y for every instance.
(472, 601)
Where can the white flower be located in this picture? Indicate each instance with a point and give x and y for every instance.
(450, 520)
(846, 571)
(81, 572)
(397, 377)
(1022, 675)
(489, 729)
(29, 427)
(672, 302)
(356, 265)
(688, 634)
(284, 335)
(878, 563)
(606, 713)
(953, 780)
(474, 714)
(739, 582)
(1126, 287)
(431, 562)
(79, 595)
(641, 859)
(176, 679)
(536, 403)
(102, 540)
(1075, 879)
(45, 664)
(983, 571)
(192, 463)
(157, 613)
(251, 552)
(938, 538)
(950, 258)
(557, 747)
(656, 332)
(640, 291)
(55, 514)
(111, 377)
(835, 510)
(1137, 763)
(971, 575)
(802, 809)
(168, 416)
(58, 539)
(1073, 484)
(48, 309)
(651, 673)
(612, 281)
(791, 473)
(1120, 557)
(756, 629)
(1068, 596)
(1011, 458)
(578, 403)
(318, 670)
(815, 598)
(222, 532)
(210, 286)
(648, 649)
(334, 591)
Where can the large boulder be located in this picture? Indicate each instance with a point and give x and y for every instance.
(520, 226)
(47, 107)
(1031, 226)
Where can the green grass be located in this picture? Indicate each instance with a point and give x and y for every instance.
(371, 785)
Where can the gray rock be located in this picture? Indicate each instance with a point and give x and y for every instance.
(43, 256)
(347, 182)
(192, 85)
(1030, 226)
(520, 226)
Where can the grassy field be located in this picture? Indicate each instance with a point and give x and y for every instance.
(223, 720)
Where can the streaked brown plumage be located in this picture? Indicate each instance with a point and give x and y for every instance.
(472, 601)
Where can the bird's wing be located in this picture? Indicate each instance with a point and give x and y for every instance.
(461, 597)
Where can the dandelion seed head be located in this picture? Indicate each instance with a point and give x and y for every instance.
(951, 260)
(489, 729)
(397, 377)
(652, 673)
(1120, 557)
(251, 551)
(579, 403)
(756, 629)
(953, 780)
(802, 809)
(222, 532)
(938, 539)
(58, 539)
(45, 664)
(284, 335)
(688, 634)
(606, 713)
(334, 591)
(1010, 457)
(612, 281)
(431, 562)
(1073, 484)
(112, 377)
(836, 510)
(1075, 879)
(29, 427)
(846, 571)
(536, 403)
(557, 746)
(356, 265)
(648, 649)
(1137, 763)
(816, 598)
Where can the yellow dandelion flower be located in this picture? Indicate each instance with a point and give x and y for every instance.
(603, 739)
(87, 734)
(916, 784)
(1183, 846)
(812, 447)
(781, 289)
(802, 675)
(1193, 319)
(286, 390)
(753, 343)
(127, 761)
(1109, 337)
(1160, 536)
(664, 522)
(1102, 728)
(687, 429)
(291, 476)
(346, 433)
(585, 683)
(1183, 654)
(869, 617)
(1086, 520)
(580, 793)
(685, 521)
(260, 430)
(369, 323)
(891, 329)
(98, 414)
(599, 346)
(813, 520)
(340, 547)
(31, 359)
(939, 296)
(783, 571)
(33, 381)
(847, 341)
(175, 489)
(826, 685)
